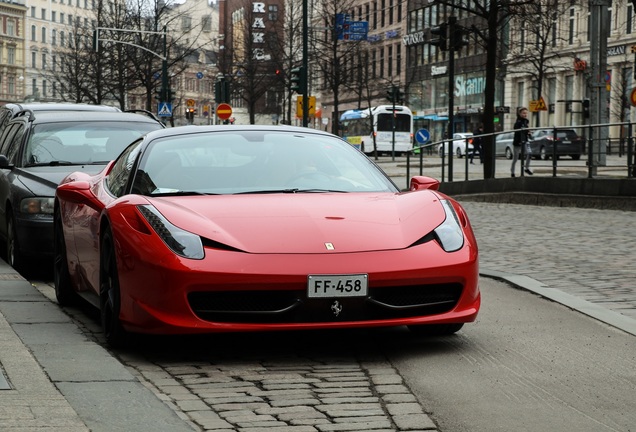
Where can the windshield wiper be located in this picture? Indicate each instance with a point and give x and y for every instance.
(52, 163)
(292, 190)
(179, 193)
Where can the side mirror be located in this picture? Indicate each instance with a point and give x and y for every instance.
(78, 192)
(4, 162)
(423, 182)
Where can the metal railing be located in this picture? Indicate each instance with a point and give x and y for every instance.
(609, 157)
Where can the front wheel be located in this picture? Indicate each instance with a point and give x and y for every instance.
(109, 293)
(435, 329)
(15, 258)
(543, 153)
(576, 156)
(459, 153)
(61, 276)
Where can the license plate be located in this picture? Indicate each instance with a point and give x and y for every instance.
(325, 286)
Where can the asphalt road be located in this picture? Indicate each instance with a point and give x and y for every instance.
(527, 365)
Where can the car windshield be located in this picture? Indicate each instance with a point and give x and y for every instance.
(78, 143)
(245, 162)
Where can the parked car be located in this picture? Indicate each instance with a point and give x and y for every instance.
(37, 150)
(568, 143)
(503, 145)
(202, 229)
(10, 110)
(460, 141)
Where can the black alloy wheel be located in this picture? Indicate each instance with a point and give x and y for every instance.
(64, 292)
(109, 293)
(15, 258)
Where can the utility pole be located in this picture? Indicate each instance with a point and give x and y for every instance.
(452, 21)
(305, 67)
(599, 32)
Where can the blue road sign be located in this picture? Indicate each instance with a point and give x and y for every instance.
(164, 109)
(199, 75)
(422, 136)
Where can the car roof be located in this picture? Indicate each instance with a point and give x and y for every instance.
(184, 130)
(88, 116)
(58, 106)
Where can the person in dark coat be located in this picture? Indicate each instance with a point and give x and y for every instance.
(478, 145)
(521, 140)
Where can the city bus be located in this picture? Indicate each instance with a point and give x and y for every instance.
(356, 128)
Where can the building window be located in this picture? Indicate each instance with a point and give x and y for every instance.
(398, 59)
(62, 17)
(70, 20)
(34, 86)
(630, 18)
(390, 60)
(53, 37)
(43, 61)
(33, 31)
(10, 27)
(43, 13)
(399, 12)
(390, 12)
(85, 4)
(375, 14)
(383, 17)
(381, 62)
(206, 23)
(32, 11)
(186, 23)
(33, 59)
(62, 41)
(11, 55)
(11, 84)
(53, 16)
(44, 34)
(43, 87)
(571, 27)
(273, 12)
(374, 60)
(54, 62)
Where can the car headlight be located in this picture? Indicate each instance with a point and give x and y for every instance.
(181, 242)
(449, 233)
(37, 205)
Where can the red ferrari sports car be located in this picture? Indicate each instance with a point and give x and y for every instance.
(255, 228)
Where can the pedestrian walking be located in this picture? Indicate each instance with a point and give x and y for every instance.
(520, 142)
(478, 145)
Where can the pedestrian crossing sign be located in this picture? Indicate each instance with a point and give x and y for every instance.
(165, 109)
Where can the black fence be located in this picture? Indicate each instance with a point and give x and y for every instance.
(553, 151)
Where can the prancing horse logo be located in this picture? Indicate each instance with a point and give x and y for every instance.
(336, 308)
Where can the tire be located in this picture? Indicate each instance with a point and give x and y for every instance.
(543, 154)
(458, 152)
(109, 293)
(508, 153)
(64, 292)
(15, 258)
(435, 329)
(576, 156)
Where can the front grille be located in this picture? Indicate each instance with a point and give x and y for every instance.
(294, 306)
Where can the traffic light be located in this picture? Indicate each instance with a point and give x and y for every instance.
(298, 79)
(586, 108)
(391, 94)
(222, 91)
(439, 36)
(459, 38)
(190, 113)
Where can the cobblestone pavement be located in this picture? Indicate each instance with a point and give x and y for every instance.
(589, 253)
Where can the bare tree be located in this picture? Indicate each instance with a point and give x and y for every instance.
(530, 50)
(332, 55)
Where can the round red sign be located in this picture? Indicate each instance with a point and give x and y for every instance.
(224, 111)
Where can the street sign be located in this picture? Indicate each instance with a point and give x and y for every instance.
(422, 136)
(199, 75)
(191, 103)
(164, 109)
(632, 97)
(224, 111)
(206, 110)
(538, 105)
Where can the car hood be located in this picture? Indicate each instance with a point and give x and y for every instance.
(306, 223)
(43, 180)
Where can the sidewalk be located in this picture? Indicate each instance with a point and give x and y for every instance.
(51, 387)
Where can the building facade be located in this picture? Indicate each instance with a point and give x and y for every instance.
(12, 34)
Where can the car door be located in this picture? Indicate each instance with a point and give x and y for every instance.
(10, 146)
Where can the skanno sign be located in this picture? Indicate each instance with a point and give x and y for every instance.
(258, 31)
(413, 39)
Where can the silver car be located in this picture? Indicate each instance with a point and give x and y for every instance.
(503, 144)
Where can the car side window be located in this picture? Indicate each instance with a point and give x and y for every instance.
(12, 141)
(120, 173)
